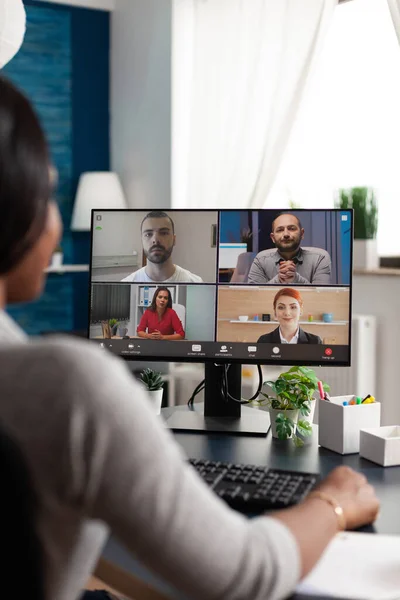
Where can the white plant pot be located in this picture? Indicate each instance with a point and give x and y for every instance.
(273, 413)
(155, 397)
(365, 255)
(310, 417)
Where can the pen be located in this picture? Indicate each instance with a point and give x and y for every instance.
(321, 390)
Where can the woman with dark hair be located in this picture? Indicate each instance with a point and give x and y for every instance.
(97, 455)
(288, 307)
(160, 321)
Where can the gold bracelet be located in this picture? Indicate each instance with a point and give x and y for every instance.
(338, 510)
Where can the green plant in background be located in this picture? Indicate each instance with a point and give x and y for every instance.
(364, 203)
(153, 380)
(294, 390)
(113, 323)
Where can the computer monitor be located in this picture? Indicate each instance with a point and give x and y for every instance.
(223, 287)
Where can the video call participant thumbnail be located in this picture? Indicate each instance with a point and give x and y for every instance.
(158, 240)
(160, 321)
(289, 263)
(288, 307)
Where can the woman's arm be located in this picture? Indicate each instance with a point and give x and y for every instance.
(344, 488)
(143, 325)
(128, 472)
(143, 334)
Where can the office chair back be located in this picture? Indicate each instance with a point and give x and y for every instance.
(19, 538)
(181, 312)
(244, 262)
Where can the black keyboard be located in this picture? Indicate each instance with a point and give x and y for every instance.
(254, 489)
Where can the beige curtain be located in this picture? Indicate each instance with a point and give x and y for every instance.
(239, 70)
(394, 7)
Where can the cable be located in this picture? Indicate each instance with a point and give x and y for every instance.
(225, 391)
(199, 388)
(224, 388)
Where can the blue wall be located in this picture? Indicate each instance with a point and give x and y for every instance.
(63, 67)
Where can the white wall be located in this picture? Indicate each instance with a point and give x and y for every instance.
(119, 234)
(200, 309)
(379, 295)
(141, 100)
(98, 4)
(193, 243)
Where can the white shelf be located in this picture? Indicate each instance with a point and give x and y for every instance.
(276, 322)
(68, 269)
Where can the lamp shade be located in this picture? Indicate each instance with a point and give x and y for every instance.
(95, 190)
(12, 29)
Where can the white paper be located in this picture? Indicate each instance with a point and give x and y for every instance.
(360, 566)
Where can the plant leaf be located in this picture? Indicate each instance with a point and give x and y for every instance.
(284, 426)
(298, 442)
(304, 428)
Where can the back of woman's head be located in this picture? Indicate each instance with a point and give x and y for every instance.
(291, 292)
(24, 176)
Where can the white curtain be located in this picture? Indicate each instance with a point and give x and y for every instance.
(394, 6)
(12, 29)
(239, 69)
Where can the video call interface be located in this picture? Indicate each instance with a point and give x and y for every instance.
(242, 285)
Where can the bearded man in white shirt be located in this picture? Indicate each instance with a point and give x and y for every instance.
(158, 241)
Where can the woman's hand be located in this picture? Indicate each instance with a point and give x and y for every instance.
(314, 523)
(354, 494)
(155, 335)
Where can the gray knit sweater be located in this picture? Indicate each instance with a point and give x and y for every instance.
(102, 461)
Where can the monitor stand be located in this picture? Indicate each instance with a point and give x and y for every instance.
(219, 413)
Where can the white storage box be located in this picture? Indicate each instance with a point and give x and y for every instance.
(381, 445)
(339, 426)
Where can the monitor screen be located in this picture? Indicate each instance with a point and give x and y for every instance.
(234, 286)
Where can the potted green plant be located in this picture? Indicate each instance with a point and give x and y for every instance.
(292, 407)
(364, 203)
(113, 323)
(154, 383)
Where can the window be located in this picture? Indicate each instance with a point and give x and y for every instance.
(348, 129)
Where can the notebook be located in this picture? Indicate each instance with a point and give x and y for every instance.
(357, 566)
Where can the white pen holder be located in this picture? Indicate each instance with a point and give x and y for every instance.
(339, 426)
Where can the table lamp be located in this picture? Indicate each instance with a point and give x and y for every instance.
(12, 29)
(100, 189)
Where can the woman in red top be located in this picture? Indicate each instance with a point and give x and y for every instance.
(160, 321)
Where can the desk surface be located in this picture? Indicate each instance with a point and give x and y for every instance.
(284, 455)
